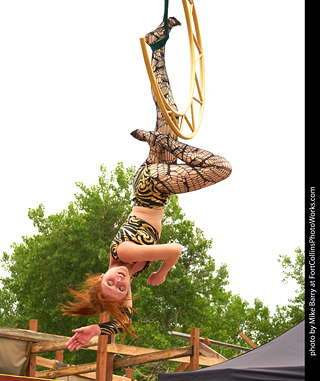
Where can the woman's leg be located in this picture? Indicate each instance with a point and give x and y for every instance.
(160, 73)
(201, 169)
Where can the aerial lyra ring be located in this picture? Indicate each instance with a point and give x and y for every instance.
(178, 120)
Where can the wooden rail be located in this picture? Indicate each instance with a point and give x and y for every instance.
(249, 341)
(68, 371)
(167, 354)
(197, 353)
(28, 335)
(213, 342)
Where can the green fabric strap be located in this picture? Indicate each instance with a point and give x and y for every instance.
(159, 44)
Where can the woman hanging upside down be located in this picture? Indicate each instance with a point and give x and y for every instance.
(135, 246)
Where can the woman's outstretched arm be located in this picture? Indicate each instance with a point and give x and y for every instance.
(83, 335)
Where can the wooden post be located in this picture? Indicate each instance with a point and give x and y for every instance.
(33, 326)
(59, 356)
(101, 374)
(195, 342)
(206, 342)
(129, 373)
(110, 358)
(104, 359)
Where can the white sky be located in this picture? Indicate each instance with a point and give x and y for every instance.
(73, 86)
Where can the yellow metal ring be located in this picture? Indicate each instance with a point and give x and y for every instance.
(193, 121)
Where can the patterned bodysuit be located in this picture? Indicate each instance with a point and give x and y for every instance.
(160, 175)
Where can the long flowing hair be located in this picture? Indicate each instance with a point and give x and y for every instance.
(89, 301)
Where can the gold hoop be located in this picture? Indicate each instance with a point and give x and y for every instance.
(168, 112)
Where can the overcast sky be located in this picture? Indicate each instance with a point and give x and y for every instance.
(73, 85)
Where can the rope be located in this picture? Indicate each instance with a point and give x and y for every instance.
(159, 44)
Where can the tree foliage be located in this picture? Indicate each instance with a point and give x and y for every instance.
(76, 241)
(294, 312)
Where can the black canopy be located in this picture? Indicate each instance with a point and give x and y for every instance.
(281, 359)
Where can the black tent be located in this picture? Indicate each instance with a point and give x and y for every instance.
(281, 359)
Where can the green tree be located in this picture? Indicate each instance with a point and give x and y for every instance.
(260, 326)
(293, 313)
(68, 245)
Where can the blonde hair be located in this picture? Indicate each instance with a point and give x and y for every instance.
(91, 302)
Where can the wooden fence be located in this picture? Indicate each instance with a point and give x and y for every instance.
(192, 356)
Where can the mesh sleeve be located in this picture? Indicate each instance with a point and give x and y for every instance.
(113, 326)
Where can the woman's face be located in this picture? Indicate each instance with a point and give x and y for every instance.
(116, 283)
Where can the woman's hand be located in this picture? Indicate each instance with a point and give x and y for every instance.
(82, 336)
(156, 278)
(172, 254)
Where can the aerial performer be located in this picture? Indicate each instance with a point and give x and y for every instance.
(135, 247)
